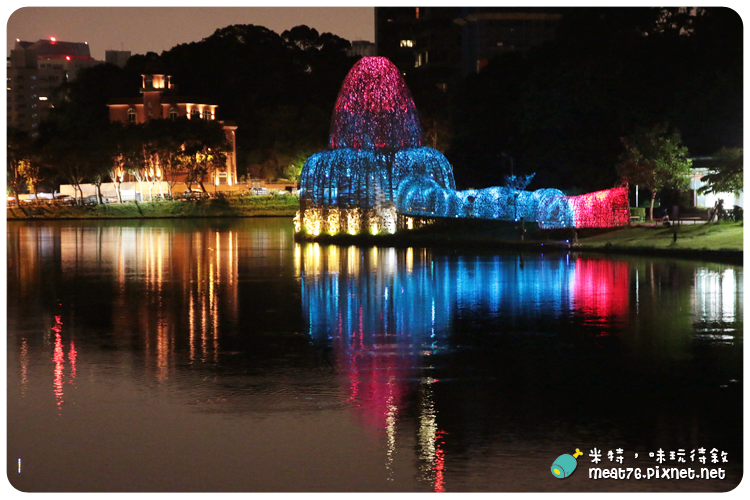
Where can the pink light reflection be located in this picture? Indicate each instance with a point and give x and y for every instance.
(601, 288)
(59, 359)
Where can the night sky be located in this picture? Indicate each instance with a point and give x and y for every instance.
(144, 29)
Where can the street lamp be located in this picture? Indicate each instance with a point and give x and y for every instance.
(511, 161)
(516, 194)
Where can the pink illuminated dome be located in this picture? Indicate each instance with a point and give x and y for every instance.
(374, 109)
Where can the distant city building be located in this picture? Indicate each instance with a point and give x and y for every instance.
(491, 31)
(362, 48)
(34, 70)
(158, 102)
(117, 57)
(413, 37)
(444, 43)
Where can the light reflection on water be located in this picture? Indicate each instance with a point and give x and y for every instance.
(441, 366)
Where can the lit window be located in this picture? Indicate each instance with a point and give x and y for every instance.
(407, 43)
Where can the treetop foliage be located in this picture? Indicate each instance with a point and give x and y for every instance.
(557, 108)
(726, 174)
(655, 158)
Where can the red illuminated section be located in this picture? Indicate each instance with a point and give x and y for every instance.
(601, 289)
(374, 109)
(59, 360)
(608, 208)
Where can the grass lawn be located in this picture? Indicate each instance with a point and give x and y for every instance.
(722, 236)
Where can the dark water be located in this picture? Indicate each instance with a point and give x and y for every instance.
(218, 355)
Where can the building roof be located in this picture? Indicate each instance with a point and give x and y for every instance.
(54, 49)
(165, 99)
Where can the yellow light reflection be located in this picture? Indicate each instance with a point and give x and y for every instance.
(390, 430)
(333, 259)
(24, 366)
(162, 351)
(192, 325)
(312, 259)
(352, 258)
(231, 258)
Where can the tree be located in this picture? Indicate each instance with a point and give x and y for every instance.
(726, 174)
(654, 159)
(204, 147)
(18, 155)
(122, 148)
(117, 173)
(77, 153)
(31, 173)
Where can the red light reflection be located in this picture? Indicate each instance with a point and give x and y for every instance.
(601, 288)
(59, 359)
(439, 466)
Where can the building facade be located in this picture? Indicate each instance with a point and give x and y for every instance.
(117, 57)
(447, 43)
(362, 48)
(34, 70)
(702, 166)
(157, 101)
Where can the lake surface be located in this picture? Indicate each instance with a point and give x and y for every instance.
(220, 355)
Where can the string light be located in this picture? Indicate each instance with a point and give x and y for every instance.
(550, 208)
(376, 167)
(374, 109)
(375, 143)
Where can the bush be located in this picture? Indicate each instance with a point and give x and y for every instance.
(737, 213)
(639, 212)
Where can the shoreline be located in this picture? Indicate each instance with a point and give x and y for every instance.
(488, 236)
(734, 257)
(149, 217)
(255, 206)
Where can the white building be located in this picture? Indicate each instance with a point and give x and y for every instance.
(701, 168)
